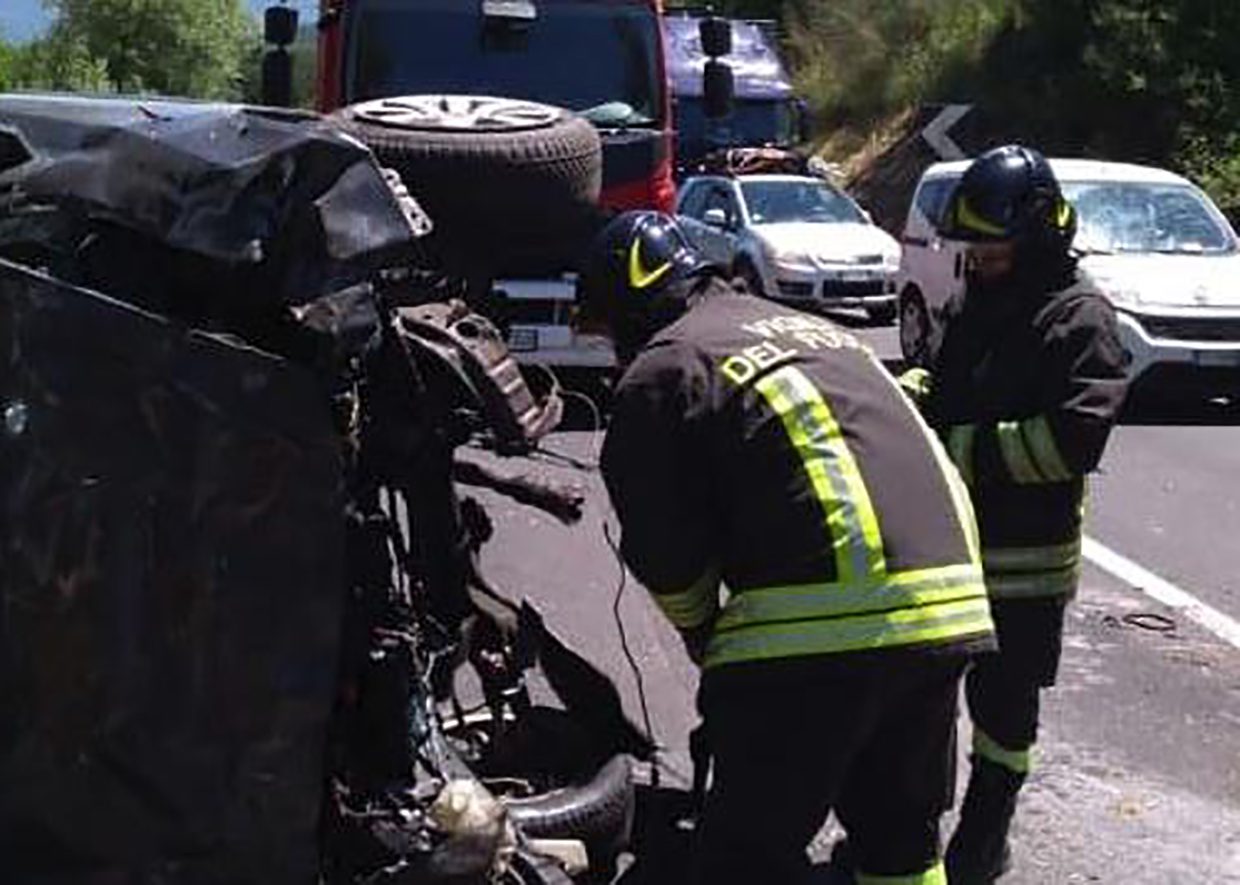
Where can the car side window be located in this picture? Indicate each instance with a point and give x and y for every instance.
(932, 197)
(721, 197)
(692, 204)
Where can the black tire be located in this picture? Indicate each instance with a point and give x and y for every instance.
(599, 813)
(753, 280)
(593, 797)
(510, 186)
(882, 315)
(915, 329)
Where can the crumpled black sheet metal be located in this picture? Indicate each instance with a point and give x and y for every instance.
(171, 580)
(293, 208)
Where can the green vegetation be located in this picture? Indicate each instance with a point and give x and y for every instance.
(196, 48)
(1144, 80)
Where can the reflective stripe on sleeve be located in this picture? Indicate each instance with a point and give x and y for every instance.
(1045, 452)
(1016, 453)
(936, 875)
(1019, 761)
(961, 498)
(832, 470)
(1052, 557)
(1020, 585)
(940, 622)
(692, 606)
(807, 602)
(960, 444)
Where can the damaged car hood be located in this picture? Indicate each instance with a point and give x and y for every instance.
(252, 188)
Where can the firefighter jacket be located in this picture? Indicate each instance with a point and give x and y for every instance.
(1024, 391)
(768, 451)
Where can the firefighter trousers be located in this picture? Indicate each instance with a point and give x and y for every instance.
(1003, 688)
(872, 739)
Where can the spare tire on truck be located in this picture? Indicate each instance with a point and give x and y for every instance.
(510, 185)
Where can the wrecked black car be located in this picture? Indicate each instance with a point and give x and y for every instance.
(243, 632)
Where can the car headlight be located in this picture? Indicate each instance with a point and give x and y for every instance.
(1123, 296)
(786, 256)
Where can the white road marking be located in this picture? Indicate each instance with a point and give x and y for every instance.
(1226, 628)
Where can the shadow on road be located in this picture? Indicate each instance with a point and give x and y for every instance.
(662, 842)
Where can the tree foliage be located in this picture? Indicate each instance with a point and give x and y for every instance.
(1145, 80)
(858, 60)
(174, 47)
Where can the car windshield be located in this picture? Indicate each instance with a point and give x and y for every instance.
(599, 59)
(1131, 217)
(752, 121)
(771, 202)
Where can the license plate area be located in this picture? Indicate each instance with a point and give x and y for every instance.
(522, 340)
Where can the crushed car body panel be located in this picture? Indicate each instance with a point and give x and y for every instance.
(171, 596)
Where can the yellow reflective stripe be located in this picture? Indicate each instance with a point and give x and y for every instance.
(970, 220)
(832, 470)
(934, 623)
(1020, 761)
(804, 602)
(960, 443)
(639, 277)
(951, 475)
(1019, 585)
(936, 875)
(1015, 453)
(692, 606)
(1064, 216)
(1032, 559)
(1041, 440)
(960, 497)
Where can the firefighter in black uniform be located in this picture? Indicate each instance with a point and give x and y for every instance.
(767, 450)
(1026, 385)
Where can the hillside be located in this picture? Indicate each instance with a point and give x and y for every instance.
(1142, 80)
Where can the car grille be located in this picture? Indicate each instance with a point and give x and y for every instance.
(858, 289)
(795, 290)
(1192, 328)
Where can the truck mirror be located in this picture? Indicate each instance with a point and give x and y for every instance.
(280, 25)
(718, 89)
(277, 78)
(804, 120)
(716, 36)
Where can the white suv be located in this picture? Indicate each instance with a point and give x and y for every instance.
(794, 238)
(1152, 242)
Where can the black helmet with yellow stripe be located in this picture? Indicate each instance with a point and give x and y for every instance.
(1010, 194)
(637, 277)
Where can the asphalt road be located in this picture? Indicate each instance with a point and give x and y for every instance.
(1138, 780)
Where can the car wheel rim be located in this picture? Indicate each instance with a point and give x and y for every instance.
(456, 113)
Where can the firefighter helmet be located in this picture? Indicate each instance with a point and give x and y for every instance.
(637, 275)
(1010, 194)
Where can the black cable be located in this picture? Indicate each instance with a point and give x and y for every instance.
(553, 457)
(624, 644)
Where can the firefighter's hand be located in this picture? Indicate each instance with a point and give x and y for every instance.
(696, 639)
(916, 384)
